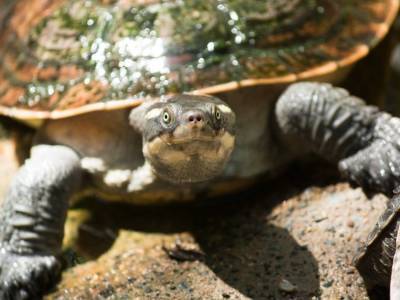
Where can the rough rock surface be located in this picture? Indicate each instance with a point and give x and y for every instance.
(290, 238)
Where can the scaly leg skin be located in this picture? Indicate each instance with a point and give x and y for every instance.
(341, 128)
(32, 222)
(395, 277)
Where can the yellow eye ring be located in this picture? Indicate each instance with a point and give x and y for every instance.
(166, 117)
(217, 114)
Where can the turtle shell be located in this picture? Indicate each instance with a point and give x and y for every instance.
(374, 259)
(59, 58)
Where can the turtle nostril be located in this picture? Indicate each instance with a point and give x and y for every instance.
(194, 118)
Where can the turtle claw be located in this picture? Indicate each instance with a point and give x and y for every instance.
(375, 168)
(27, 276)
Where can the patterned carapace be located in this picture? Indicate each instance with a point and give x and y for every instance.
(63, 55)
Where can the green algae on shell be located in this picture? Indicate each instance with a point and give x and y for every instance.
(74, 54)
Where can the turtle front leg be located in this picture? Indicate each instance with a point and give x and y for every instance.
(341, 128)
(32, 221)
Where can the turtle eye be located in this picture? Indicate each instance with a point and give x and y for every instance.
(166, 117)
(217, 114)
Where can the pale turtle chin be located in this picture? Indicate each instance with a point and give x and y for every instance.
(188, 138)
(189, 160)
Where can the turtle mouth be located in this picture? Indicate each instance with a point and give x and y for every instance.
(194, 143)
(191, 138)
(191, 133)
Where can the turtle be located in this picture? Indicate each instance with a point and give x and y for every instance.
(159, 101)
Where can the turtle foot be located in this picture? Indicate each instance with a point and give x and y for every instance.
(372, 168)
(376, 168)
(26, 276)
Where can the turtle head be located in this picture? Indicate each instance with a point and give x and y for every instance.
(187, 138)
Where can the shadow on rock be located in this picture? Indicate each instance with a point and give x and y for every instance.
(239, 243)
(258, 259)
(98, 223)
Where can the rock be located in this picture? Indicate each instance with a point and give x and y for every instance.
(241, 248)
